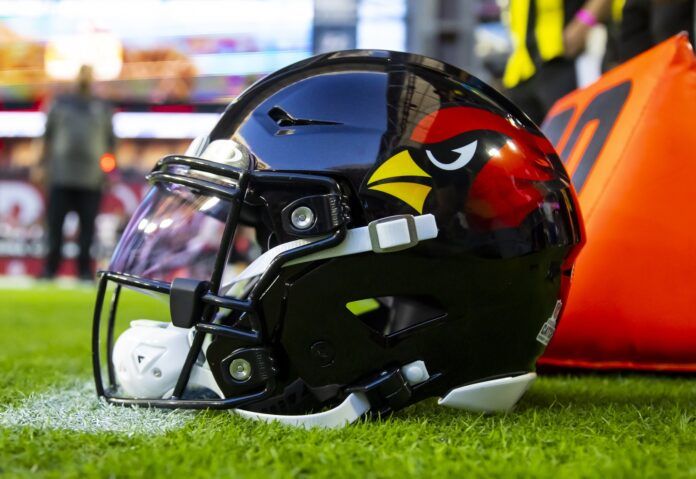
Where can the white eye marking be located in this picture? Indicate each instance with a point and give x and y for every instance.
(466, 153)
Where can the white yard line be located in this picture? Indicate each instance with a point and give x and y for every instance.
(77, 409)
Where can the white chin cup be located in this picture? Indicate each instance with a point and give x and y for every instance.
(149, 356)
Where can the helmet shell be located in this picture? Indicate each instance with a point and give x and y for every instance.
(406, 134)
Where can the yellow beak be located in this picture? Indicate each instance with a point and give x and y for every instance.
(395, 177)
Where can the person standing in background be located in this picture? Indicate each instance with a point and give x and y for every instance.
(646, 23)
(547, 36)
(78, 132)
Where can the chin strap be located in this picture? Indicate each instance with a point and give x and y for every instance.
(149, 355)
(385, 235)
(382, 394)
(145, 370)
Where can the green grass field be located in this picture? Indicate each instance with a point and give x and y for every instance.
(51, 425)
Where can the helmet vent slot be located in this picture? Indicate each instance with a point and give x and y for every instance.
(284, 119)
(392, 316)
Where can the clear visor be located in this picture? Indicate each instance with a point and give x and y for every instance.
(175, 232)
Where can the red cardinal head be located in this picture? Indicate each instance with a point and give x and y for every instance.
(472, 161)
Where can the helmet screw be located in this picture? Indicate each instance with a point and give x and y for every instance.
(157, 372)
(240, 369)
(302, 218)
(323, 353)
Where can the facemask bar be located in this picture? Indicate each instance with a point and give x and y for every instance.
(210, 299)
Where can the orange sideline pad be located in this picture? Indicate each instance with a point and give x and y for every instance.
(629, 143)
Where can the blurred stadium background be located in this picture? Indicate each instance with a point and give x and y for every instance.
(170, 67)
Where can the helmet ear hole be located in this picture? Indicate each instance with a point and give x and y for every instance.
(391, 316)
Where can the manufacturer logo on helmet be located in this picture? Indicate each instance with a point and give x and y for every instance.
(549, 327)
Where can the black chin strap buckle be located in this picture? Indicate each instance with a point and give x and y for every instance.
(387, 392)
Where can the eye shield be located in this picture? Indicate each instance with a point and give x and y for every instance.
(175, 232)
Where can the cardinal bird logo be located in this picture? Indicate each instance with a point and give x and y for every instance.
(487, 162)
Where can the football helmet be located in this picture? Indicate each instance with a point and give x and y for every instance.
(417, 235)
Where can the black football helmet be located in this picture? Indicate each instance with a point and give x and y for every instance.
(417, 232)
